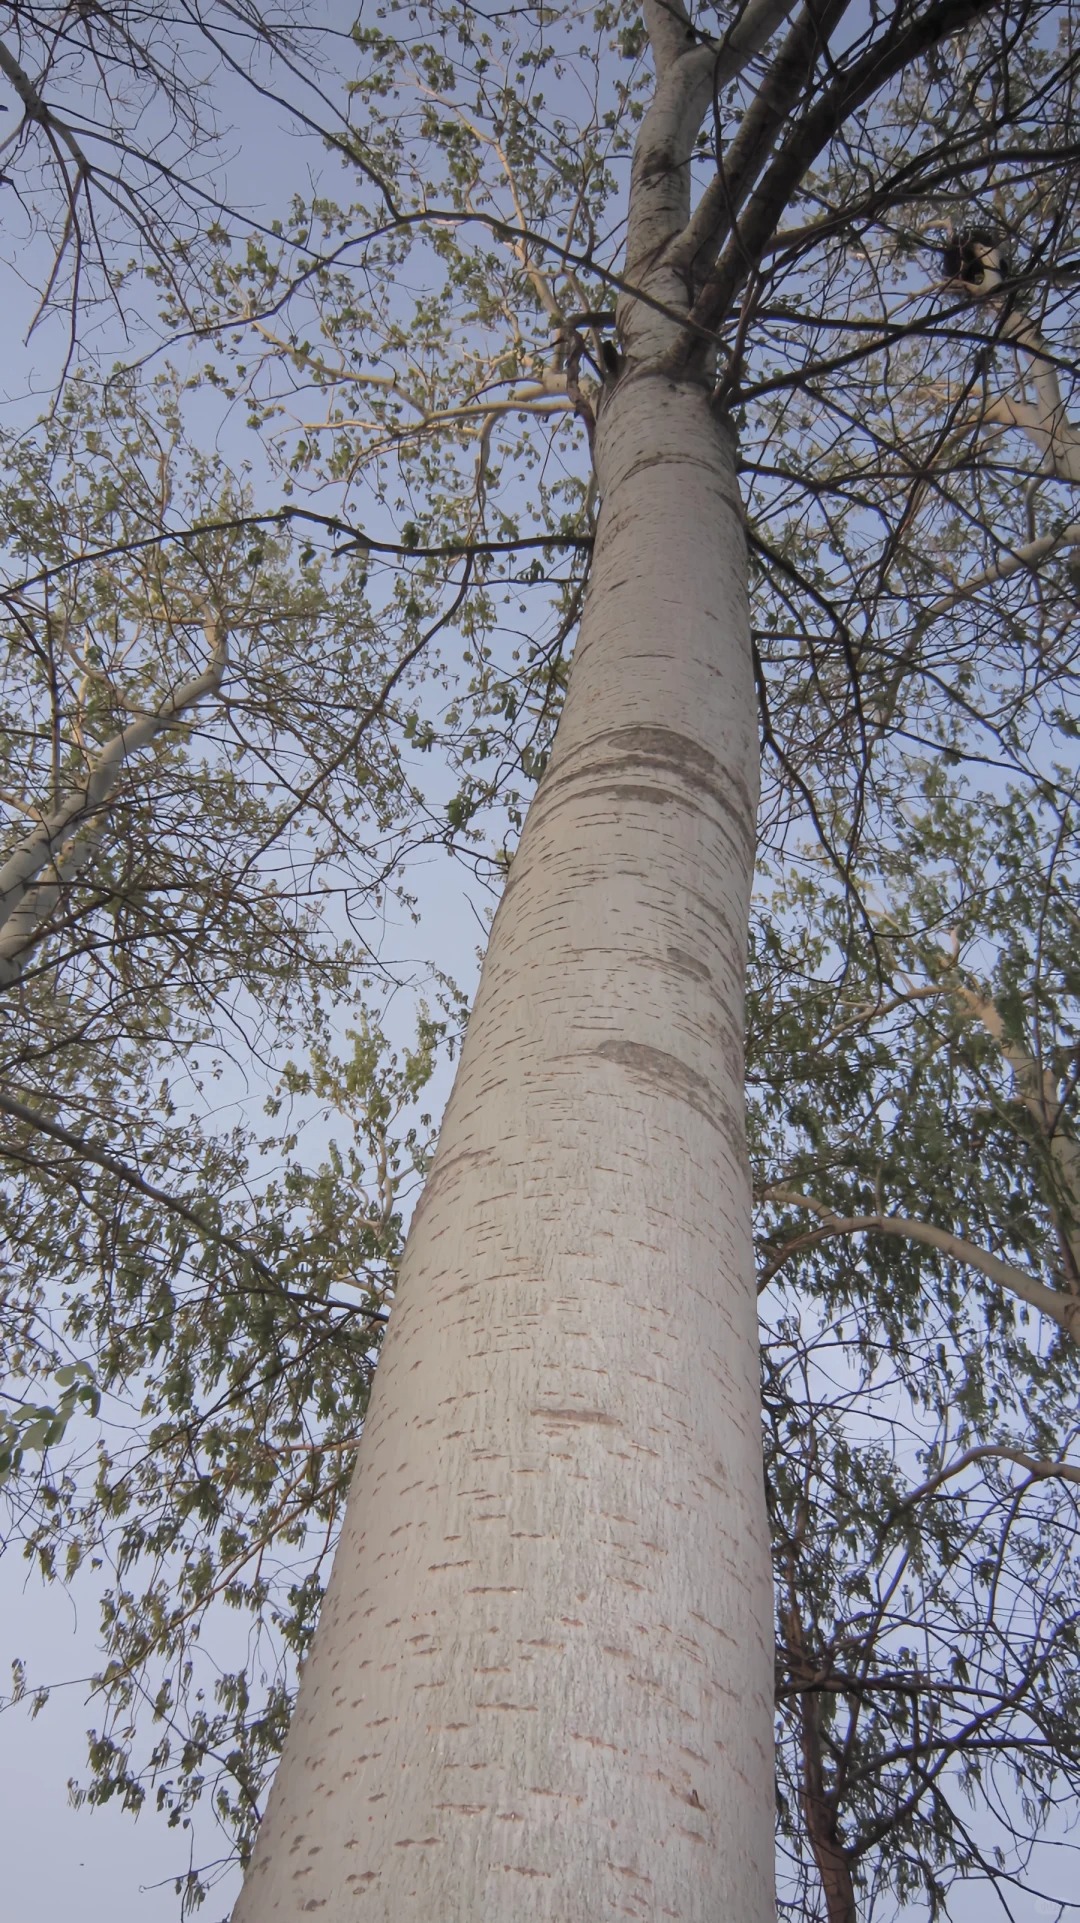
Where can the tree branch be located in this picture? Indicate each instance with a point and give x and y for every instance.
(1037, 1090)
(1011, 561)
(689, 74)
(24, 908)
(1061, 1309)
(667, 24)
(740, 167)
(177, 1205)
(349, 536)
(1038, 1469)
(888, 55)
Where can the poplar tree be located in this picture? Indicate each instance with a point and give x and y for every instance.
(732, 352)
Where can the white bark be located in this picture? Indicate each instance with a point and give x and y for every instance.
(68, 836)
(1045, 419)
(752, 148)
(689, 74)
(1011, 560)
(1055, 1303)
(542, 1681)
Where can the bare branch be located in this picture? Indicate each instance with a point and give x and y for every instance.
(1061, 1309)
(748, 153)
(1037, 1467)
(132, 1178)
(687, 81)
(889, 54)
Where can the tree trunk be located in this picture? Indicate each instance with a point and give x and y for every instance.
(818, 1803)
(542, 1681)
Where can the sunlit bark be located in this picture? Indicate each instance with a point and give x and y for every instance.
(543, 1670)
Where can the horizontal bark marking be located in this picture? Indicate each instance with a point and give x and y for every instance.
(442, 1171)
(667, 457)
(679, 383)
(577, 1415)
(625, 752)
(684, 964)
(624, 1869)
(659, 1070)
(665, 746)
(623, 790)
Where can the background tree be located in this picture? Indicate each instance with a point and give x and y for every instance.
(201, 824)
(589, 880)
(920, 1424)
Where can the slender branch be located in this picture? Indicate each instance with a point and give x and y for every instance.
(37, 109)
(748, 153)
(1009, 562)
(178, 1205)
(351, 538)
(1061, 1309)
(1037, 1090)
(749, 33)
(103, 1158)
(375, 707)
(690, 73)
(1037, 1467)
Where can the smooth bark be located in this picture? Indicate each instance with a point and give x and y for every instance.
(543, 1672)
